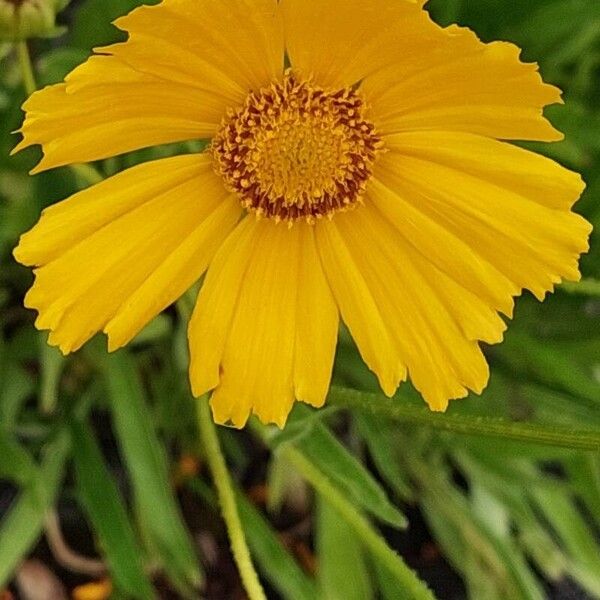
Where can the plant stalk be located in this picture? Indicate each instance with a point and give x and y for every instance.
(222, 482)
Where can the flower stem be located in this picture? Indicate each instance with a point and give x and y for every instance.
(26, 67)
(222, 481)
(585, 287)
(536, 433)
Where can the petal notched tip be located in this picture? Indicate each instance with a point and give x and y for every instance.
(234, 409)
(21, 145)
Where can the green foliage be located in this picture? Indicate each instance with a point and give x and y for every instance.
(508, 483)
(108, 515)
(157, 511)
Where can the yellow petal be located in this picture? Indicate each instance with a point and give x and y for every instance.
(177, 273)
(451, 255)
(461, 84)
(340, 42)
(257, 367)
(358, 308)
(531, 244)
(316, 327)
(442, 363)
(472, 289)
(265, 325)
(225, 47)
(65, 224)
(507, 166)
(106, 108)
(98, 263)
(185, 64)
(211, 319)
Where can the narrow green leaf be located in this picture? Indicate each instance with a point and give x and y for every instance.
(574, 532)
(276, 564)
(335, 460)
(342, 571)
(16, 464)
(108, 516)
(24, 523)
(377, 435)
(461, 423)
(146, 461)
(584, 476)
(548, 364)
(409, 585)
(15, 385)
(488, 560)
(511, 486)
(51, 365)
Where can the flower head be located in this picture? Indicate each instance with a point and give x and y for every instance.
(22, 19)
(371, 180)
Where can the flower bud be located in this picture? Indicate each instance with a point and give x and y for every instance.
(22, 19)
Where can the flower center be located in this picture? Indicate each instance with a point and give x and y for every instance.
(297, 151)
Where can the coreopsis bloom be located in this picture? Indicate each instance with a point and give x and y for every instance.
(358, 168)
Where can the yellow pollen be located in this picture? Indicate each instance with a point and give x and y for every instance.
(297, 151)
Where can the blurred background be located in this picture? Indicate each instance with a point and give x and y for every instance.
(103, 486)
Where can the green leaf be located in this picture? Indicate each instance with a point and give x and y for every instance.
(23, 524)
(108, 515)
(276, 564)
(146, 462)
(376, 433)
(51, 365)
(16, 464)
(349, 475)
(568, 523)
(15, 385)
(548, 364)
(584, 477)
(342, 571)
(409, 585)
(491, 563)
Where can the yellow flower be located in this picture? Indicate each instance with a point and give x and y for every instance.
(376, 164)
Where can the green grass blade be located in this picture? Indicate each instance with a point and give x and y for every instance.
(276, 564)
(409, 585)
(144, 455)
(575, 533)
(16, 464)
(108, 516)
(342, 574)
(24, 523)
(377, 435)
(349, 474)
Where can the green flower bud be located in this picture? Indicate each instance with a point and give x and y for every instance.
(22, 19)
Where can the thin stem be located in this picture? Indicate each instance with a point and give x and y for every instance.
(26, 67)
(222, 481)
(535, 433)
(585, 287)
(412, 585)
